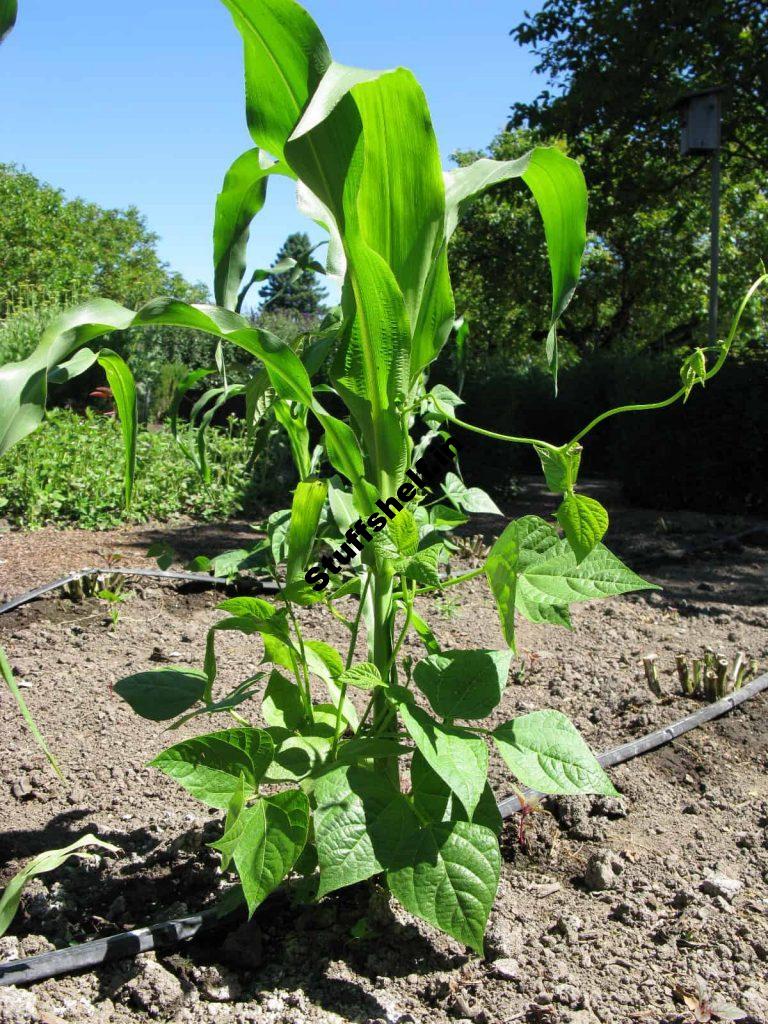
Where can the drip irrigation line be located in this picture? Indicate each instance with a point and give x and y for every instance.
(263, 586)
(170, 933)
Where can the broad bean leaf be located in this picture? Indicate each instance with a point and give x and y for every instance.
(364, 675)
(450, 878)
(299, 757)
(584, 522)
(548, 753)
(265, 842)
(464, 683)
(469, 499)
(213, 768)
(458, 756)
(533, 571)
(282, 704)
(162, 693)
(434, 802)
(561, 467)
(255, 607)
(362, 824)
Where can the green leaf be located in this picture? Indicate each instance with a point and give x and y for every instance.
(256, 607)
(584, 522)
(285, 59)
(450, 879)
(470, 499)
(443, 517)
(342, 150)
(214, 767)
(265, 842)
(456, 755)
(546, 752)
(532, 570)
(120, 380)
(299, 757)
(44, 862)
(558, 186)
(434, 802)
(283, 705)
(323, 659)
(10, 682)
(23, 385)
(242, 196)
(465, 683)
(425, 634)
(362, 823)
(561, 466)
(79, 363)
(364, 675)
(234, 810)
(162, 693)
(355, 750)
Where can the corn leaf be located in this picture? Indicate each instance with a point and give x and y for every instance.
(242, 196)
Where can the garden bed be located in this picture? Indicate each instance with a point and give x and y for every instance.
(683, 856)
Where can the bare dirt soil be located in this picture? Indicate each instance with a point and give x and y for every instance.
(606, 908)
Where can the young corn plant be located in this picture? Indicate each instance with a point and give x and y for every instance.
(395, 785)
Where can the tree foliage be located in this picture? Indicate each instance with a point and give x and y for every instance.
(303, 294)
(614, 71)
(109, 252)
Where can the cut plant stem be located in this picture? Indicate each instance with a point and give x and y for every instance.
(684, 674)
(652, 674)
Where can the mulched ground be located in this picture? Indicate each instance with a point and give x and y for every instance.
(608, 907)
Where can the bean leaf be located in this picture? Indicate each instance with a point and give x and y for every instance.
(548, 753)
(163, 693)
(265, 842)
(584, 522)
(450, 879)
(213, 768)
(463, 684)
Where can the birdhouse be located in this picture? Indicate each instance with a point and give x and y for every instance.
(700, 116)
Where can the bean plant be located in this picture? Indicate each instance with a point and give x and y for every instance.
(394, 785)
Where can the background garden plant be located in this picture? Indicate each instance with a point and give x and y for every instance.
(400, 789)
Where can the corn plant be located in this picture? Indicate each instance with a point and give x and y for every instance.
(325, 786)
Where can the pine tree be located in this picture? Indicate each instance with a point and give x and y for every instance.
(303, 295)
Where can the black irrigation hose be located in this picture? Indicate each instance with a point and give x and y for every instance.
(170, 933)
(265, 586)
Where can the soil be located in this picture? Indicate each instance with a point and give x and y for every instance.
(606, 911)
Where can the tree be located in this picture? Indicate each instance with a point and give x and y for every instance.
(301, 294)
(615, 69)
(58, 249)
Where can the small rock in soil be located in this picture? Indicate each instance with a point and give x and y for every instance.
(601, 871)
(721, 885)
(152, 988)
(506, 968)
(502, 940)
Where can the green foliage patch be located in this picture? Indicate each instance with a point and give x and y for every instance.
(70, 472)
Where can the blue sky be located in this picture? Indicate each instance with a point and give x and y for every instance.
(142, 104)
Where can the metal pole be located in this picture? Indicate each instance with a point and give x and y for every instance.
(714, 233)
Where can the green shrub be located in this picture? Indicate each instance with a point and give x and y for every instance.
(70, 473)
